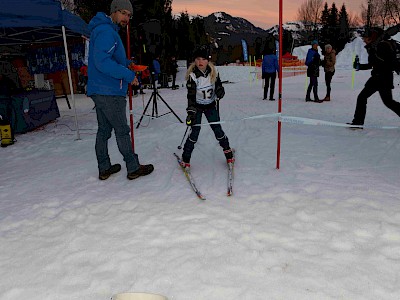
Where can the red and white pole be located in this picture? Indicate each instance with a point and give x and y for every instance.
(278, 149)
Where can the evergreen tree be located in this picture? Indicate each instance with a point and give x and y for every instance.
(325, 15)
(183, 28)
(325, 31)
(336, 28)
(87, 9)
(344, 28)
(333, 16)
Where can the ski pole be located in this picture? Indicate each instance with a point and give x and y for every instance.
(180, 146)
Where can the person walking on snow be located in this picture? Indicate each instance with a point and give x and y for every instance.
(204, 89)
(173, 69)
(269, 68)
(380, 59)
(313, 62)
(329, 68)
(108, 79)
(156, 70)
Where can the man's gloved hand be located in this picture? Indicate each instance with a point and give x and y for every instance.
(220, 92)
(131, 66)
(191, 118)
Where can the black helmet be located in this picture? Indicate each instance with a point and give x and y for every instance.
(202, 51)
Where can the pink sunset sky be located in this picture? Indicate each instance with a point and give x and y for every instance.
(262, 13)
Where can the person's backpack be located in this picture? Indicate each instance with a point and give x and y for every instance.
(395, 46)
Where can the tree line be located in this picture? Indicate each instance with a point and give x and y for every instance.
(334, 26)
(328, 25)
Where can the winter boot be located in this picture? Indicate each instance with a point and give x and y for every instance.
(308, 99)
(185, 165)
(142, 171)
(327, 98)
(271, 95)
(103, 175)
(229, 156)
(316, 98)
(265, 93)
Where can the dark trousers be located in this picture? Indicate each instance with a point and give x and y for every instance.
(269, 77)
(373, 85)
(111, 114)
(313, 86)
(212, 115)
(173, 79)
(328, 80)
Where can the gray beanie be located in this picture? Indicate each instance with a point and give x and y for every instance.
(120, 5)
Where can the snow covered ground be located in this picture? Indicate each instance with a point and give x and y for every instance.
(323, 226)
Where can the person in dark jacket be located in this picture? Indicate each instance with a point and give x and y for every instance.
(204, 89)
(269, 68)
(156, 70)
(313, 61)
(108, 79)
(380, 59)
(173, 69)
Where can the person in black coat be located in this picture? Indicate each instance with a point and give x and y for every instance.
(173, 69)
(313, 61)
(380, 59)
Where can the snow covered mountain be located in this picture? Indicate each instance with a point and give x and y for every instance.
(228, 30)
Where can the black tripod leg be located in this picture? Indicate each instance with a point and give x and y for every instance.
(155, 108)
(169, 108)
(144, 112)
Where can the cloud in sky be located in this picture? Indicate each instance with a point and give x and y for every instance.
(261, 13)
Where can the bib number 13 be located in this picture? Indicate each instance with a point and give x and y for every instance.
(208, 94)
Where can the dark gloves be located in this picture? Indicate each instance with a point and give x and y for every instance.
(220, 92)
(191, 118)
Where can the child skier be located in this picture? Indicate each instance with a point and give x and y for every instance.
(204, 90)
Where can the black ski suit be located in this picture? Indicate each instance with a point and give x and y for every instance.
(196, 110)
(380, 59)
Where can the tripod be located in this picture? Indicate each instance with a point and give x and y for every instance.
(153, 97)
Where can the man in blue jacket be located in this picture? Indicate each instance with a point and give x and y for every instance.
(269, 68)
(108, 79)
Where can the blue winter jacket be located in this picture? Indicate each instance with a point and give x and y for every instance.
(156, 68)
(107, 68)
(270, 64)
(313, 61)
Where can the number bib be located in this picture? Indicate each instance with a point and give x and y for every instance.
(204, 89)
